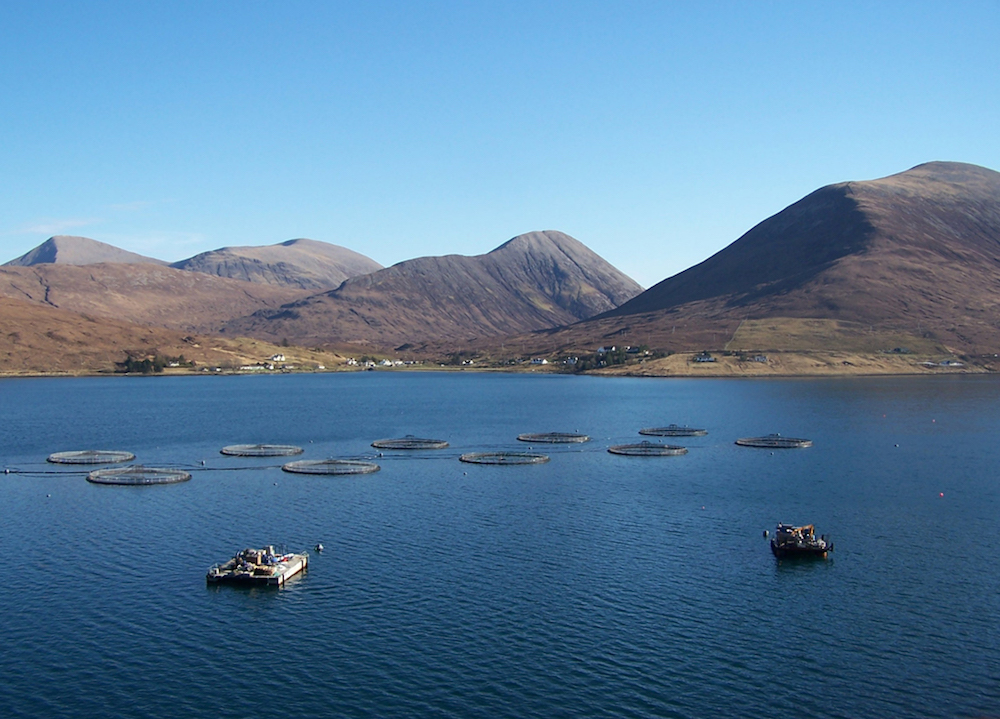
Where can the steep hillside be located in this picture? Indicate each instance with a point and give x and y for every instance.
(69, 250)
(142, 293)
(917, 253)
(534, 281)
(305, 264)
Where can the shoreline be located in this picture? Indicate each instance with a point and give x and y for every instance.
(785, 365)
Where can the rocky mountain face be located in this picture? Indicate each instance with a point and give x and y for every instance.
(70, 250)
(534, 281)
(304, 264)
(916, 253)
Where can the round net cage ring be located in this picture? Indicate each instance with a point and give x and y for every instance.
(503, 458)
(774, 441)
(91, 456)
(673, 430)
(261, 450)
(410, 442)
(138, 475)
(554, 438)
(330, 467)
(648, 449)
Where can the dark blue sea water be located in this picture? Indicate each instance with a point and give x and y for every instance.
(592, 586)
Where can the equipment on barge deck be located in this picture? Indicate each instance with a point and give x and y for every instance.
(790, 541)
(258, 566)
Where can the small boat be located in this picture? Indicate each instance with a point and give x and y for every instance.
(258, 566)
(789, 541)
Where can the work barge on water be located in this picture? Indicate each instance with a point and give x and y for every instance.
(790, 541)
(258, 567)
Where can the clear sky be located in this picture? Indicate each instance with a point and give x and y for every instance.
(654, 132)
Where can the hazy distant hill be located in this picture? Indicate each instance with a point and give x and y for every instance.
(536, 280)
(70, 250)
(917, 252)
(302, 263)
(142, 293)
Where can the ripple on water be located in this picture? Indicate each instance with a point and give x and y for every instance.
(587, 586)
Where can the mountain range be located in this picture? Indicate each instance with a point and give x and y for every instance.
(906, 262)
(533, 281)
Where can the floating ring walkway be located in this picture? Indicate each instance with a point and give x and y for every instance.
(673, 430)
(648, 449)
(409, 442)
(91, 456)
(554, 438)
(138, 475)
(774, 441)
(261, 450)
(504, 458)
(330, 466)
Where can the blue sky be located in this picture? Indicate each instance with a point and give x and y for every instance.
(656, 133)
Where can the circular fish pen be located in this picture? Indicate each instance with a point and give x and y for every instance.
(330, 466)
(774, 441)
(647, 449)
(409, 442)
(673, 430)
(261, 450)
(138, 475)
(503, 458)
(554, 438)
(91, 456)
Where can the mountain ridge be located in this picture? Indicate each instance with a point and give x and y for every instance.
(303, 263)
(535, 280)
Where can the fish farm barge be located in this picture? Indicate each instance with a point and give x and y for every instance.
(790, 541)
(258, 567)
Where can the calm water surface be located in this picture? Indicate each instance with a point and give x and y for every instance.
(594, 585)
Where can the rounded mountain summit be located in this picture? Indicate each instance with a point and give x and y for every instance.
(302, 263)
(914, 256)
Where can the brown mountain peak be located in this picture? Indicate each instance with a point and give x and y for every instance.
(73, 250)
